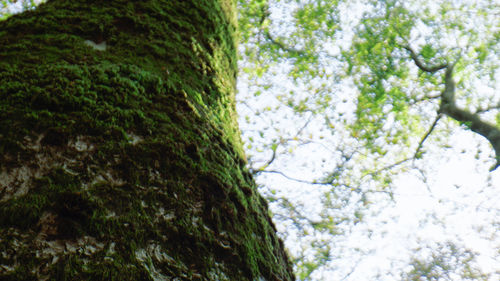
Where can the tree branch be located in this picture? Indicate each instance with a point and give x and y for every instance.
(281, 45)
(448, 107)
(294, 179)
(297, 215)
(267, 34)
(472, 121)
(421, 144)
(421, 65)
(264, 166)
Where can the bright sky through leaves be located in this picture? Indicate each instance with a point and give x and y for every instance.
(346, 95)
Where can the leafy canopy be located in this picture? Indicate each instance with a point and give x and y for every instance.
(371, 89)
(394, 53)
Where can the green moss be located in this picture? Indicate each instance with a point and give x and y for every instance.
(197, 59)
(164, 166)
(50, 192)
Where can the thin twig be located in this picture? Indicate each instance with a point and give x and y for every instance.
(421, 144)
(388, 167)
(264, 166)
(281, 45)
(305, 125)
(292, 178)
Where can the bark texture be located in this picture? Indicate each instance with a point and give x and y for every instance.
(120, 156)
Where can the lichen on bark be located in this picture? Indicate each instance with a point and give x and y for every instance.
(124, 162)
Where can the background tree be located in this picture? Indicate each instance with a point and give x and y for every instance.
(358, 100)
(448, 262)
(120, 155)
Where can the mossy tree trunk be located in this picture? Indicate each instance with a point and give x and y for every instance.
(119, 150)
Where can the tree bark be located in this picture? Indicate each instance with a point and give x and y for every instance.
(120, 156)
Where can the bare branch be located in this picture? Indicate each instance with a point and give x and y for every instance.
(472, 121)
(421, 65)
(448, 107)
(388, 167)
(421, 144)
(264, 166)
(267, 34)
(353, 269)
(297, 215)
(294, 179)
(305, 125)
(415, 155)
(281, 45)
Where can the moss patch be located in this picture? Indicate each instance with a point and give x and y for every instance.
(133, 151)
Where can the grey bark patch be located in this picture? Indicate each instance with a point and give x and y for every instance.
(96, 46)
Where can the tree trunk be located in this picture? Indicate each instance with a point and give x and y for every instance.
(120, 156)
